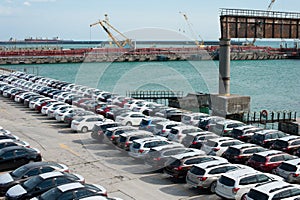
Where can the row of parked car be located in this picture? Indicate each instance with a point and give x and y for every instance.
(196, 148)
(24, 174)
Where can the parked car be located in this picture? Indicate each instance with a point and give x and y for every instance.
(99, 129)
(125, 139)
(266, 138)
(289, 170)
(148, 124)
(242, 152)
(274, 190)
(164, 128)
(195, 140)
(178, 165)
(177, 133)
(157, 159)
(76, 115)
(141, 147)
(16, 156)
(225, 127)
(112, 134)
(193, 118)
(130, 119)
(86, 123)
(244, 133)
(236, 184)
(39, 184)
(27, 171)
(288, 144)
(9, 142)
(267, 161)
(74, 191)
(217, 146)
(208, 122)
(205, 175)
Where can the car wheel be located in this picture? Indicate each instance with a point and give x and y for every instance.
(213, 187)
(128, 124)
(244, 197)
(84, 129)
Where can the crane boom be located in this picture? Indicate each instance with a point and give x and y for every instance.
(192, 30)
(271, 4)
(106, 25)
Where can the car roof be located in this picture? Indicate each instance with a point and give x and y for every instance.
(273, 186)
(186, 127)
(201, 133)
(245, 127)
(244, 146)
(70, 186)
(293, 161)
(141, 140)
(168, 122)
(136, 132)
(50, 174)
(269, 153)
(229, 121)
(12, 148)
(221, 139)
(212, 164)
(7, 140)
(290, 137)
(266, 131)
(187, 155)
(241, 173)
(37, 164)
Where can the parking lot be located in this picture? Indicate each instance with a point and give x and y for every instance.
(102, 164)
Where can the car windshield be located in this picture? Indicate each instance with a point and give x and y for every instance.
(232, 151)
(288, 167)
(197, 171)
(257, 195)
(31, 183)
(227, 181)
(258, 158)
(145, 122)
(51, 194)
(19, 171)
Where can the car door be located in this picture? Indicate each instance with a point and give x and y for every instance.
(42, 187)
(20, 157)
(7, 160)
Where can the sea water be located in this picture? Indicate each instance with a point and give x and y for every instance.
(273, 85)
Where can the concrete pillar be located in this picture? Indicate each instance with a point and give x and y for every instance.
(224, 67)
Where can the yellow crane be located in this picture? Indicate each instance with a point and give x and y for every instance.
(106, 25)
(192, 31)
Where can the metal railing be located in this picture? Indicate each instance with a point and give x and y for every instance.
(258, 13)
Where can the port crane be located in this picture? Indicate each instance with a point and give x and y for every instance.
(106, 26)
(192, 30)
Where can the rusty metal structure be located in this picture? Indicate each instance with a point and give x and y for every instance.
(242, 23)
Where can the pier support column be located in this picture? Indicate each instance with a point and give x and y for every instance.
(224, 67)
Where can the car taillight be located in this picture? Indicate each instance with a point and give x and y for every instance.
(225, 131)
(194, 142)
(141, 150)
(264, 142)
(163, 131)
(238, 157)
(112, 138)
(126, 144)
(67, 170)
(235, 190)
(295, 175)
(105, 194)
(216, 149)
(202, 178)
(157, 159)
(178, 168)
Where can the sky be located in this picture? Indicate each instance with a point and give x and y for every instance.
(138, 19)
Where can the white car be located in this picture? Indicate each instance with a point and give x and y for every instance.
(177, 133)
(130, 118)
(164, 128)
(53, 109)
(289, 170)
(49, 106)
(33, 103)
(274, 191)
(193, 118)
(217, 146)
(61, 114)
(86, 123)
(133, 103)
(236, 184)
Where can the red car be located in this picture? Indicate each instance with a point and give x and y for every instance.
(267, 161)
(104, 109)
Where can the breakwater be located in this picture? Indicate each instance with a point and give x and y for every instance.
(45, 56)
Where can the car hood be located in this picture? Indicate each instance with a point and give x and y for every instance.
(15, 191)
(5, 178)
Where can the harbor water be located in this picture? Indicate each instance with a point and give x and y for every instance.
(273, 85)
